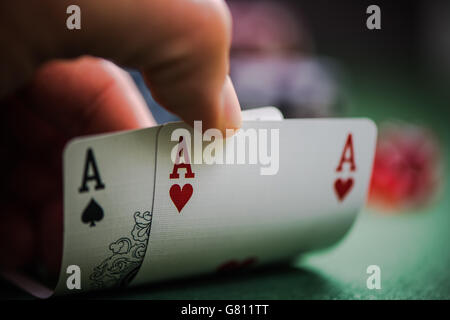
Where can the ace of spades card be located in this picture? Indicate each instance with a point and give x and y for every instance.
(108, 195)
(93, 211)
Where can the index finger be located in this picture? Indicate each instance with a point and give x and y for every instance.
(180, 45)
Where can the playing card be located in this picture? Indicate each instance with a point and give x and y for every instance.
(212, 217)
(263, 114)
(108, 197)
(171, 201)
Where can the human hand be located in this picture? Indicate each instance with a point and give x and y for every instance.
(49, 94)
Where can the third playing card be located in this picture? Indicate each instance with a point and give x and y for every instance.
(271, 191)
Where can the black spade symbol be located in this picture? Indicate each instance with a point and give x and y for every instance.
(92, 213)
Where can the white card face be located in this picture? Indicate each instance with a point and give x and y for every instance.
(108, 198)
(235, 215)
(262, 114)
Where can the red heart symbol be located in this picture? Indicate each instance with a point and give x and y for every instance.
(180, 196)
(342, 187)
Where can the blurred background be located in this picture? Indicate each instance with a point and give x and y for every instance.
(319, 59)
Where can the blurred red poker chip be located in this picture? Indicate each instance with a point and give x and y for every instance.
(407, 169)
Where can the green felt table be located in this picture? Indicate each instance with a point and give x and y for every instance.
(412, 249)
